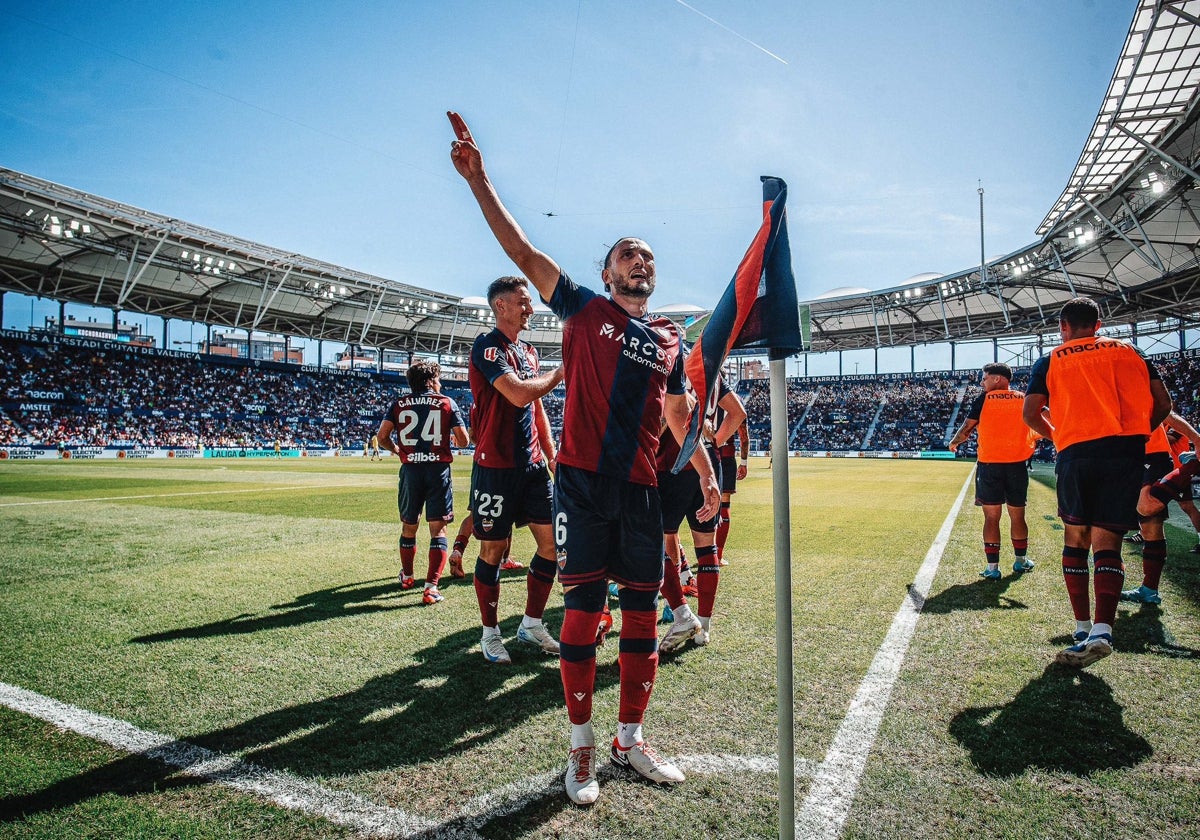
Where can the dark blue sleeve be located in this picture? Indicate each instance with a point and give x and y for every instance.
(456, 414)
(676, 379)
(1150, 366)
(976, 409)
(569, 297)
(492, 365)
(1037, 377)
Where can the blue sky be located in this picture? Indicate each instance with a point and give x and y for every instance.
(320, 128)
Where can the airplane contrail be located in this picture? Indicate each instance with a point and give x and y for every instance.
(731, 32)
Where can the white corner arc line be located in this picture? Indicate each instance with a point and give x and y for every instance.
(339, 807)
(282, 789)
(832, 791)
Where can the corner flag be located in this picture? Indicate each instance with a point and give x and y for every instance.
(758, 310)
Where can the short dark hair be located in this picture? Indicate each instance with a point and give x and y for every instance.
(504, 285)
(1079, 312)
(998, 368)
(613, 247)
(421, 373)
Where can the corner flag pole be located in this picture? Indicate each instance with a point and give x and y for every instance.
(783, 599)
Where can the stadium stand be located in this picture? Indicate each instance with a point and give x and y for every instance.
(90, 393)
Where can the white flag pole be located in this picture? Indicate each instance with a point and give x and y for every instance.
(783, 599)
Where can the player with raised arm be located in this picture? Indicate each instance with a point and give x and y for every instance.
(510, 481)
(425, 424)
(623, 372)
(1160, 462)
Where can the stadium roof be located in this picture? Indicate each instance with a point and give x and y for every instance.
(1126, 231)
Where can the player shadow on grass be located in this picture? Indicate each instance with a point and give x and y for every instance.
(980, 594)
(1140, 630)
(447, 701)
(1064, 720)
(335, 602)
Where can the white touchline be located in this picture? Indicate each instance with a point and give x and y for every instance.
(822, 815)
(831, 793)
(282, 789)
(297, 794)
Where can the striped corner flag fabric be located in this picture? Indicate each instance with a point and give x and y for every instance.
(758, 310)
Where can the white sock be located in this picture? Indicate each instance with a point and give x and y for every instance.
(993, 567)
(526, 621)
(582, 735)
(629, 735)
(683, 613)
(491, 631)
(705, 622)
(1084, 626)
(1101, 629)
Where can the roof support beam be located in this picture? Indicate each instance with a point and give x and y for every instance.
(1066, 274)
(129, 284)
(1146, 239)
(1121, 234)
(1168, 158)
(1192, 19)
(263, 306)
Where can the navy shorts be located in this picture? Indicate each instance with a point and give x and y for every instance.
(425, 486)
(1002, 484)
(504, 498)
(607, 528)
(726, 473)
(1100, 490)
(681, 497)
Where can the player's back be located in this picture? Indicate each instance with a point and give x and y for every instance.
(422, 426)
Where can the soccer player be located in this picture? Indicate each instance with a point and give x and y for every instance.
(463, 539)
(424, 422)
(1182, 447)
(375, 455)
(1001, 475)
(1160, 461)
(1104, 398)
(681, 496)
(623, 372)
(730, 416)
(510, 482)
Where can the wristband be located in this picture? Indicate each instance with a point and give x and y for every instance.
(743, 462)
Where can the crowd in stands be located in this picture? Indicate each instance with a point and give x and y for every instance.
(57, 394)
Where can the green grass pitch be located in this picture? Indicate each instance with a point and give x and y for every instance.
(251, 609)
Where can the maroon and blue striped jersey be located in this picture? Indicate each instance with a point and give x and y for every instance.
(422, 426)
(617, 371)
(506, 435)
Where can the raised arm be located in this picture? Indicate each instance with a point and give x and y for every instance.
(540, 269)
(1176, 422)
